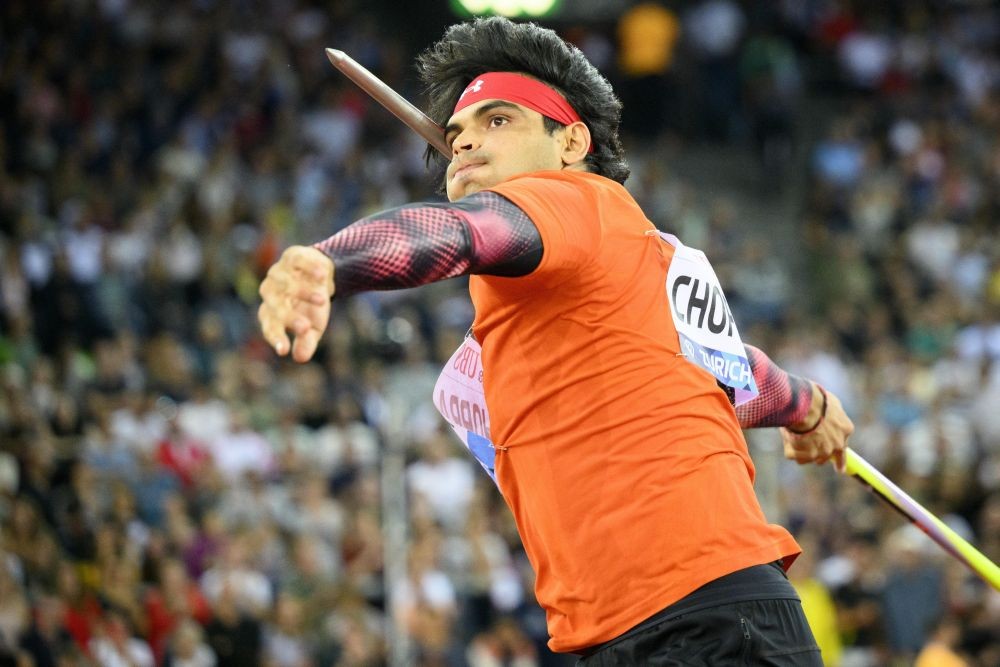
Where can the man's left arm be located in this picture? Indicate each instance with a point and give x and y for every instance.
(814, 426)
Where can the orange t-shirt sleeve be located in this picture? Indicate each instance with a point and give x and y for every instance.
(564, 216)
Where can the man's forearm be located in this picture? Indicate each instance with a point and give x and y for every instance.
(423, 243)
(784, 400)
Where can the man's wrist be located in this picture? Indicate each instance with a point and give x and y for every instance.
(814, 417)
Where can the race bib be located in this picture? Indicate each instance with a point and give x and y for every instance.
(705, 326)
(459, 397)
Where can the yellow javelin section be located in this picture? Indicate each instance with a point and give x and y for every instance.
(936, 529)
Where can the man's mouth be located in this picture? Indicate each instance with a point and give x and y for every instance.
(466, 168)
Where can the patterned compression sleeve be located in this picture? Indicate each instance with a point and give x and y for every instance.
(423, 243)
(784, 398)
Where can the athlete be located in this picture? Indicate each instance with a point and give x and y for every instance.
(607, 383)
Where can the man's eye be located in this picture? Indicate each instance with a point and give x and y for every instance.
(497, 121)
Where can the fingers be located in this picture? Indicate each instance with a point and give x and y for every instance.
(305, 316)
(305, 345)
(840, 460)
(273, 329)
(308, 268)
(843, 427)
(305, 322)
(278, 285)
(295, 299)
(307, 326)
(813, 447)
(828, 440)
(311, 272)
(303, 268)
(818, 448)
(804, 450)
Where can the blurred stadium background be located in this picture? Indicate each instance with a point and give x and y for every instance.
(173, 494)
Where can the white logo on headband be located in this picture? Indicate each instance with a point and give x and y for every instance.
(474, 88)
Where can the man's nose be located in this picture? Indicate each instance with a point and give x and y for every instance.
(466, 140)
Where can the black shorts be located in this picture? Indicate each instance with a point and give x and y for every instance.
(770, 632)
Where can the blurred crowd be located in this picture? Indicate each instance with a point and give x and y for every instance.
(171, 493)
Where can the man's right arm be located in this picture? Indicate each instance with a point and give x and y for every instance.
(417, 244)
(424, 243)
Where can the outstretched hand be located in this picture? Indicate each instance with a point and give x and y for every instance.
(826, 441)
(295, 297)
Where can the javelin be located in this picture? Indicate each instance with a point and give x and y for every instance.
(400, 107)
(856, 466)
(932, 526)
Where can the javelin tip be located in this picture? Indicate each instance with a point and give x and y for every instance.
(391, 100)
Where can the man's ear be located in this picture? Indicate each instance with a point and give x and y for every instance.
(576, 143)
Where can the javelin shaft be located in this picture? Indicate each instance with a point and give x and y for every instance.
(936, 529)
(400, 107)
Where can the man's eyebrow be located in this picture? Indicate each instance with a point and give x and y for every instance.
(482, 111)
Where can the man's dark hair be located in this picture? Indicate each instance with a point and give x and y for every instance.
(496, 44)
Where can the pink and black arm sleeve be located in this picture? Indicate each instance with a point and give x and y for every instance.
(784, 398)
(417, 244)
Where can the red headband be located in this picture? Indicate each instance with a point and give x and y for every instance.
(521, 90)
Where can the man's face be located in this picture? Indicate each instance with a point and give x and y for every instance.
(493, 140)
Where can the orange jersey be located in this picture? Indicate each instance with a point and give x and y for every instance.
(623, 464)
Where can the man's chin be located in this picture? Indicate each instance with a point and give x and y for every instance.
(464, 190)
